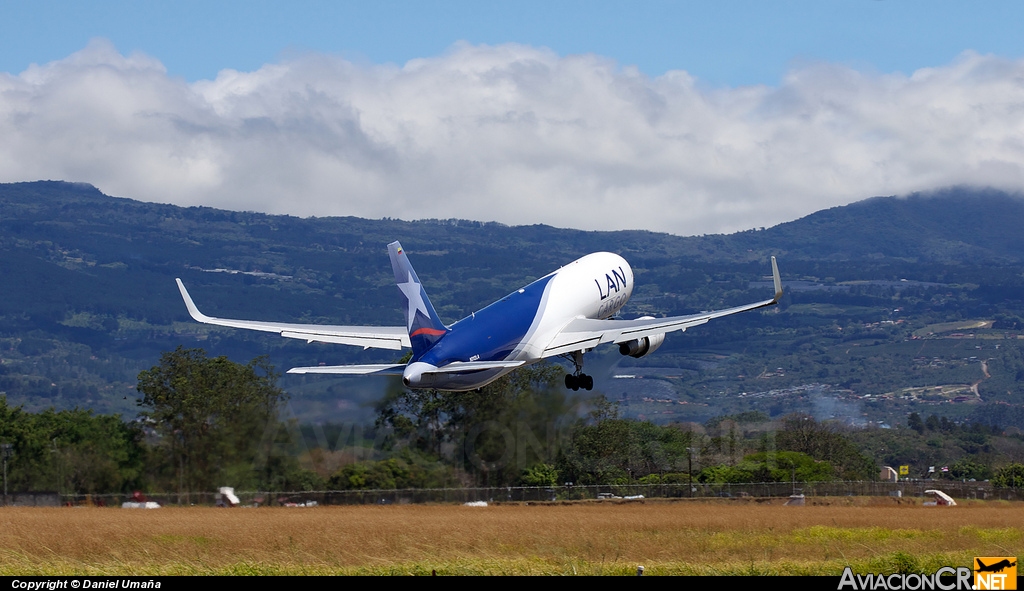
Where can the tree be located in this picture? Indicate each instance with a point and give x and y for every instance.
(540, 475)
(1010, 476)
(406, 469)
(605, 449)
(71, 451)
(493, 433)
(210, 415)
(914, 422)
(965, 468)
(821, 441)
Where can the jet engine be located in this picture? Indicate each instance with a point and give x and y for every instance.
(642, 346)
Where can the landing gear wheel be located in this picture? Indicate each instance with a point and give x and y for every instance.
(576, 380)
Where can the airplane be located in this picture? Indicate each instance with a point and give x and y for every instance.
(566, 313)
(994, 568)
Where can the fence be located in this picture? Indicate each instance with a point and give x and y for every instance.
(32, 499)
(907, 488)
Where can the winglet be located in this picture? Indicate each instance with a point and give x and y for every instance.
(192, 309)
(775, 276)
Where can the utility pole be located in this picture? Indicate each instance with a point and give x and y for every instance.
(7, 450)
(60, 469)
(689, 470)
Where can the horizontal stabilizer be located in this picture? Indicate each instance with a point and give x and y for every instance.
(381, 369)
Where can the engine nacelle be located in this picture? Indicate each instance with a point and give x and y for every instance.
(642, 346)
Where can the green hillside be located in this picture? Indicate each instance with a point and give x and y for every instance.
(89, 300)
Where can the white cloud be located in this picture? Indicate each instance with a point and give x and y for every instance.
(514, 134)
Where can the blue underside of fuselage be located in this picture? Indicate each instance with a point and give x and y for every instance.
(470, 380)
(492, 333)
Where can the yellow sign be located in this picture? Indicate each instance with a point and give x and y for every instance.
(904, 470)
(995, 572)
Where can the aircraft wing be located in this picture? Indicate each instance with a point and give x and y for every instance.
(378, 337)
(582, 334)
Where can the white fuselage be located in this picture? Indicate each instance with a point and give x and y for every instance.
(595, 286)
(519, 326)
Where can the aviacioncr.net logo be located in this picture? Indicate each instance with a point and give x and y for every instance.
(946, 578)
(995, 572)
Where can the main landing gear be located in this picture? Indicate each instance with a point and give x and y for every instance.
(576, 380)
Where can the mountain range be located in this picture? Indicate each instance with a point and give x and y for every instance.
(89, 299)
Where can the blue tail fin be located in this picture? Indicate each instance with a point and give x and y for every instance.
(425, 328)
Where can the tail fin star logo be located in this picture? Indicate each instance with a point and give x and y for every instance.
(414, 294)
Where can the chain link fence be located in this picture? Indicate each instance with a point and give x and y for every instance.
(907, 488)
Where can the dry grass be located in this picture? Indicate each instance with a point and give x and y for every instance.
(586, 538)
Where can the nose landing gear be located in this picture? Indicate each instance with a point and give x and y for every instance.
(576, 380)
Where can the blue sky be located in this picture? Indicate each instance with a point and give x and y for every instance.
(721, 43)
(683, 117)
